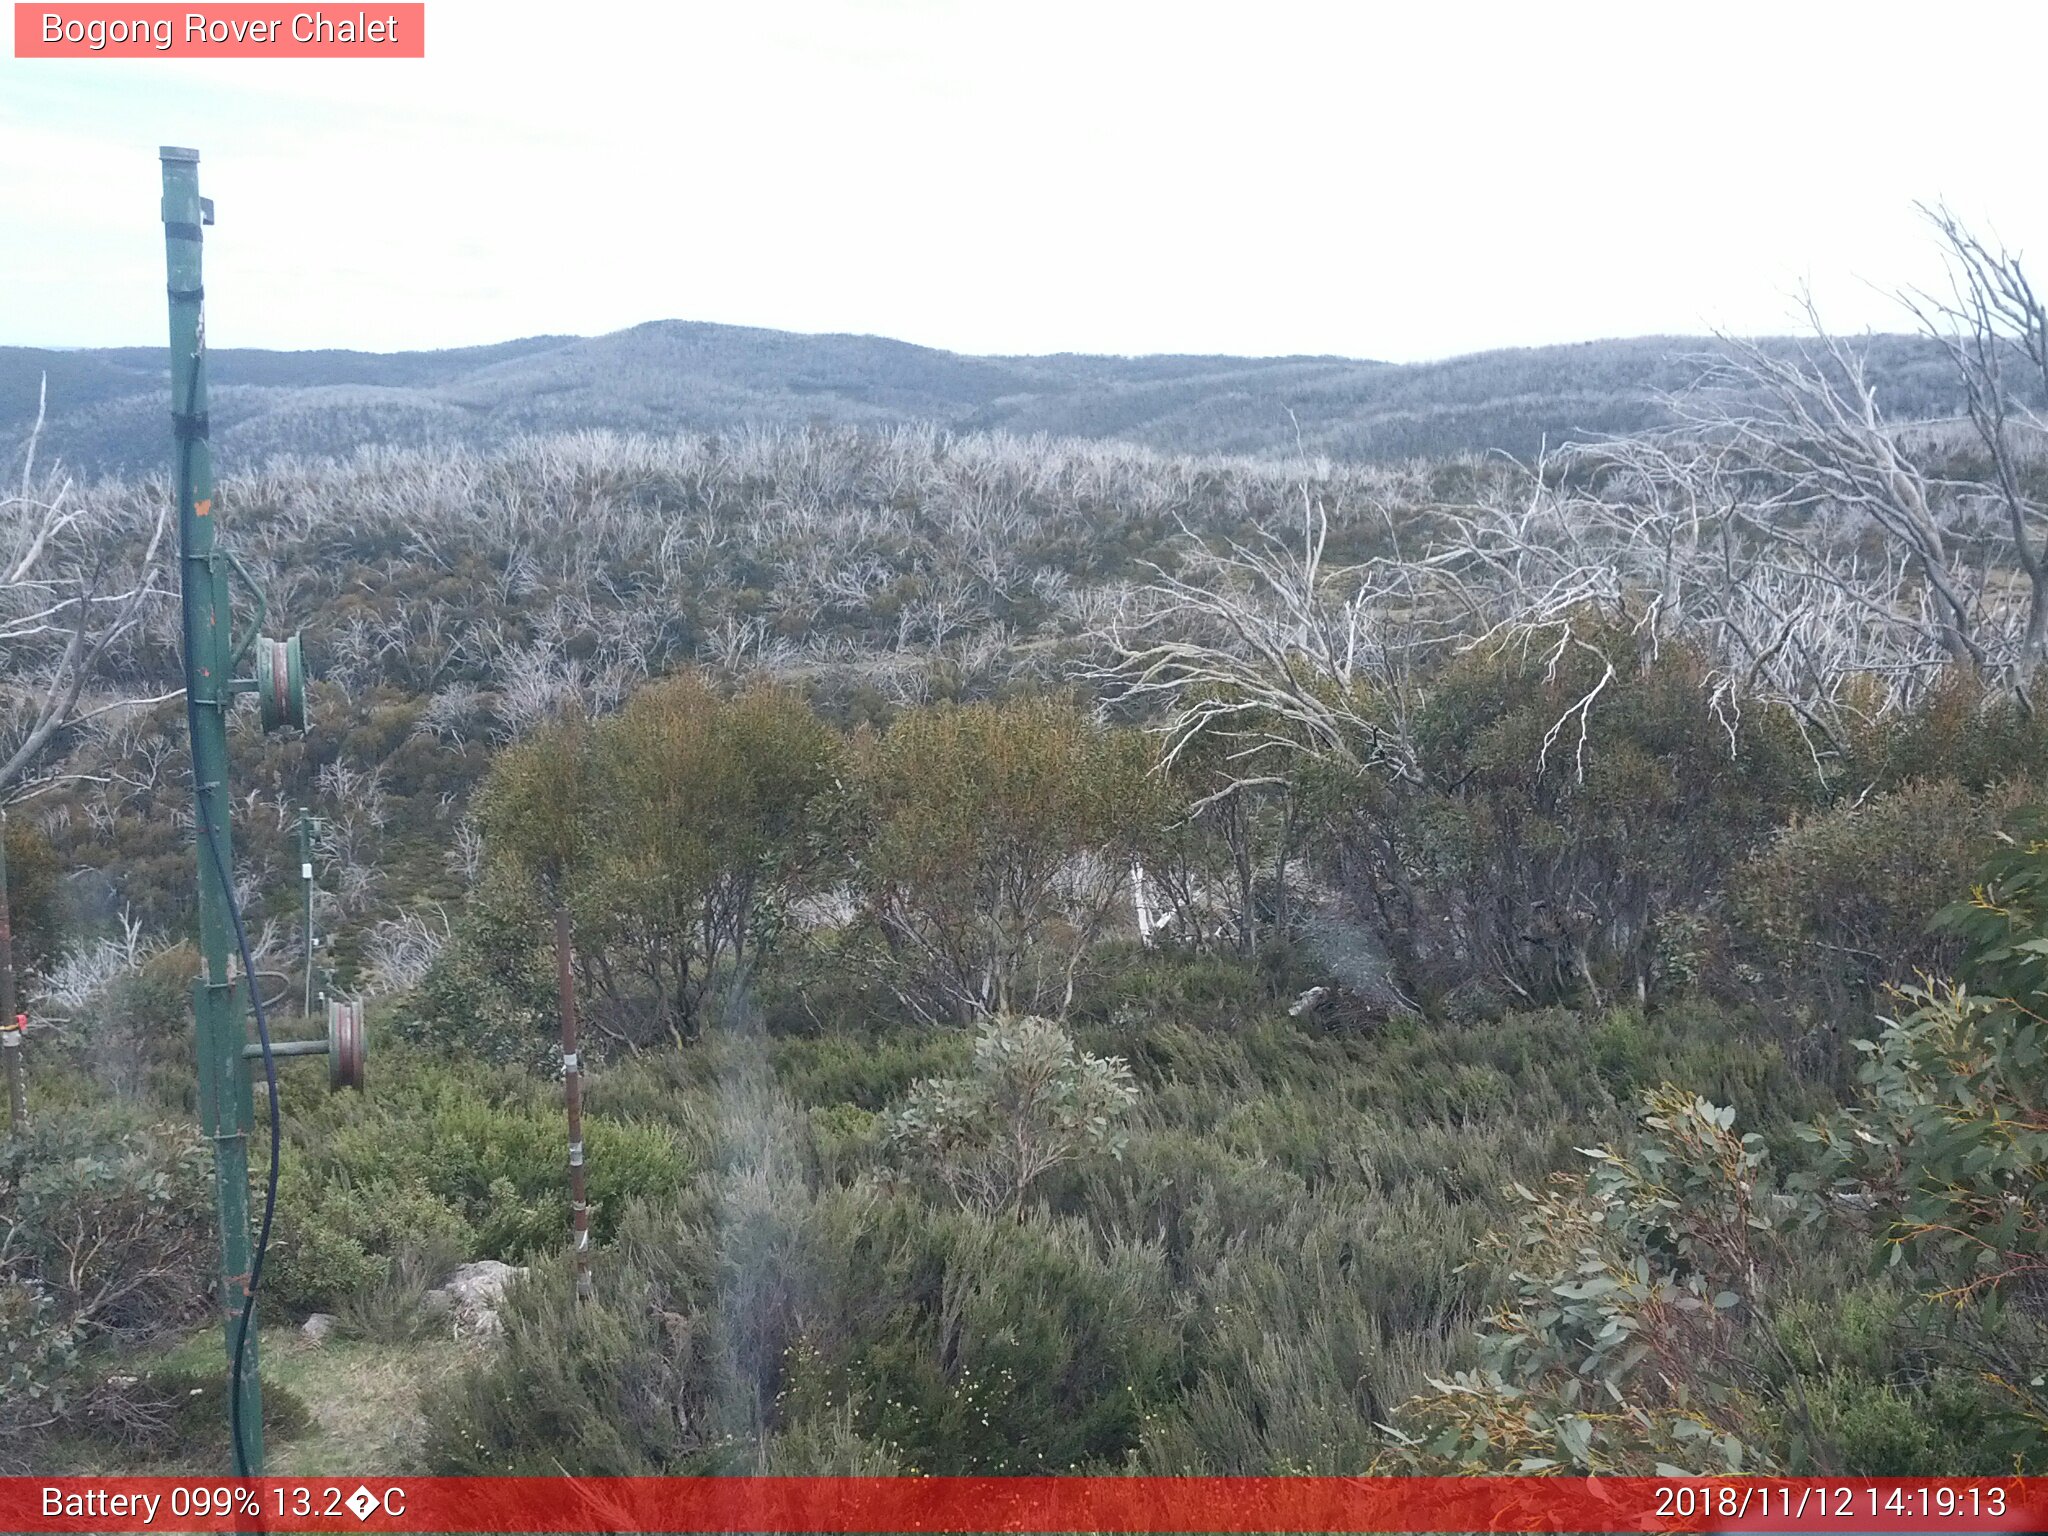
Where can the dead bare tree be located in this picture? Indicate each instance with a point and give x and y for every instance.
(1677, 536)
(1744, 531)
(1995, 330)
(1747, 527)
(1809, 425)
(79, 576)
(1252, 659)
(1259, 644)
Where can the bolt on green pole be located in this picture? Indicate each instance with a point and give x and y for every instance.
(220, 999)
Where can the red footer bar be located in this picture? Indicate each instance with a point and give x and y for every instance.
(1034, 1504)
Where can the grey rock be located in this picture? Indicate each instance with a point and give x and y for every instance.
(472, 1296)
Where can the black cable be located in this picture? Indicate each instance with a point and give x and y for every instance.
(227, 885)
(270, 1185)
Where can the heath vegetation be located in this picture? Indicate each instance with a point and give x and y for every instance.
(1095, 958)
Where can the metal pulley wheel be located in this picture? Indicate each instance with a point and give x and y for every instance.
(345, 1045)
(281, 684)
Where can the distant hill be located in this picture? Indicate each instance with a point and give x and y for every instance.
(108, 406)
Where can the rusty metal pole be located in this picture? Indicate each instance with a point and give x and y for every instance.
(572, 1089)
(10, 1021)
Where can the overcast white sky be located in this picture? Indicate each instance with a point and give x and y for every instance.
(1402, 181)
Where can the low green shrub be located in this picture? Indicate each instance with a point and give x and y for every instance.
(765, 1312)
(336, 1239)
(111, 1213)
(846, 1141)
(1029, 1102)
(1196, 991)
(502, 1169)
(1181, 1190)
(1946, 1139)
(490, 1146)
(864, 1071)
(393, 1308)
(1302, 1339)
(1619, 1351)
(1848, 894)
(1877, 1394)
(39, 1378)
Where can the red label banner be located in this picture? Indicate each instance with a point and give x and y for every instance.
(1025, 1504)
(224, 31)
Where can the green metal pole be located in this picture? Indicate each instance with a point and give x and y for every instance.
(306, 881)
(219, 998)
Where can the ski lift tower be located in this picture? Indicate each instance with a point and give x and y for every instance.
(223, 996)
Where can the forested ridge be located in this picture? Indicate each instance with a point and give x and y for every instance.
(672, 375)
(1093, 957)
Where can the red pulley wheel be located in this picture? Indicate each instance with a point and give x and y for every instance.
(345, 1045)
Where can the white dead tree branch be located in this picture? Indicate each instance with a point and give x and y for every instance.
(79, 577)
(401, 950)
(1818, 435)
(1674, 536)
(1995, 331)
(1261, 646)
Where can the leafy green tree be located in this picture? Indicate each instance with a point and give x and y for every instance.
(675, 832)
(1221, 831)
(1029, 1102)
(537, 809)
(998, 846)
(1542, 863)
(491, 989)
(33, 875)
(706, 832)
